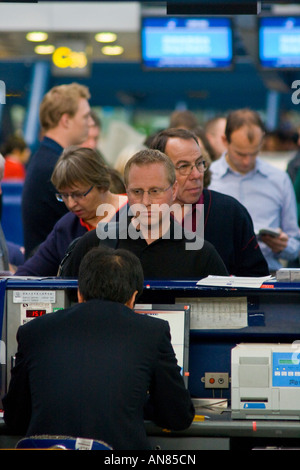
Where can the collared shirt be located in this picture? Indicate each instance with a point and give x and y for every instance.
(269, 197)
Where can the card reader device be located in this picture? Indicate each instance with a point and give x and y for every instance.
(265, 381)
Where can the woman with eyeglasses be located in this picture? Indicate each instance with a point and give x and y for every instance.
(83, 185)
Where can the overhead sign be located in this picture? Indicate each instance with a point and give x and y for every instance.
(70, 59)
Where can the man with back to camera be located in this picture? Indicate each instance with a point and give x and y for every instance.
(64, 118)
(97, 369)
(227, 224)
(165, 250)
(263, 189)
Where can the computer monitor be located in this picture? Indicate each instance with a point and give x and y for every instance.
(279, 42)
(178, 317)
(187, 43)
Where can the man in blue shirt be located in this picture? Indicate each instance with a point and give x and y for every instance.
(264, 190)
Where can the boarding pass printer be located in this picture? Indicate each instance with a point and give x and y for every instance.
(265, 381)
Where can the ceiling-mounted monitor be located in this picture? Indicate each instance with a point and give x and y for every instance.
(279, 42)
(187, 43)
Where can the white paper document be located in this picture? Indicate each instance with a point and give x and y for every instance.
(233, 281)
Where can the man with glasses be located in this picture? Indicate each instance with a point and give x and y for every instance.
(165, 250)
(263, 189)
(227, 224)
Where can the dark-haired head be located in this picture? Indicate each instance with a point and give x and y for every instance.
(159, 140)
(109, 274)
(243, 118)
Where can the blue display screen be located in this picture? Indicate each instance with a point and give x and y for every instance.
(286, 369)
(188, 43)
(279, 42)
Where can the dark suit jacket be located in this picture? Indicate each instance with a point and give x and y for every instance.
(86, 372)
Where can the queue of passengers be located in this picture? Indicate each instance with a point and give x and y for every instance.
(189, 204)
(217, 168)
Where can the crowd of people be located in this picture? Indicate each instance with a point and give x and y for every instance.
(240, 193)
(189, 203)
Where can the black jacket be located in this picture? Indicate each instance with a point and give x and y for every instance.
(169, 257)
(89, 370)
(229, 227)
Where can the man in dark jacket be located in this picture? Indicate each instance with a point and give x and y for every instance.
(227, 224)
(98, 369)
(165, 249)
(65, 118)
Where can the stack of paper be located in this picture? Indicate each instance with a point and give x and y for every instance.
(233, 281)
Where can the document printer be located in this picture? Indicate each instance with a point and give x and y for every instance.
(265, 381)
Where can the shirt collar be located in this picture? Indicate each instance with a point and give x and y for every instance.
(224, 168)
(261, 167)
(52, 144)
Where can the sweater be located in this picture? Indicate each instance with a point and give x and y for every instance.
(40, 208)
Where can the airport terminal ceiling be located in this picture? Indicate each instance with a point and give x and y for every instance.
(121, 80)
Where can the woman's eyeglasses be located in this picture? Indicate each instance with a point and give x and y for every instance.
(76, 196)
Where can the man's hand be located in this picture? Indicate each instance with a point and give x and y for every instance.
(277, 244)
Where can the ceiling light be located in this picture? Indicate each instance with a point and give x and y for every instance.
(36, 36)
(105, 37)
(112, 50)
(44, 49)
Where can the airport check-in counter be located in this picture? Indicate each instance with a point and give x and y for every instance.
(221, 318)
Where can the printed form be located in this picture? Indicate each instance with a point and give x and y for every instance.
(217, 313)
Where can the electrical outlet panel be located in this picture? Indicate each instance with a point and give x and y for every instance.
(216, 380)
